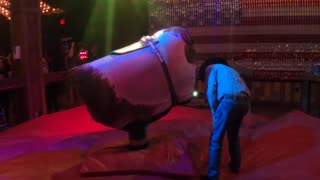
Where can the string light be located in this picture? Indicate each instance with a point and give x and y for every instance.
(5, 3)
(44, 7)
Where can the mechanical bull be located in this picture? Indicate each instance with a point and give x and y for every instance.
(138, 84)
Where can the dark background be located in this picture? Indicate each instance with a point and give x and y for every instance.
(87, 22)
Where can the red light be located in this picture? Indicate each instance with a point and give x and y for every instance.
(62, 22)
(83, 55)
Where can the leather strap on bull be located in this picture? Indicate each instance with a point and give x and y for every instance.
(164, 68)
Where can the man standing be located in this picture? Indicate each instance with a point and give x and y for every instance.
(228, 98)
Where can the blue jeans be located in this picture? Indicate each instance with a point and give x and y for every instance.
(228, 117)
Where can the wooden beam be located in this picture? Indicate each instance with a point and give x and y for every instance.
(26, 36)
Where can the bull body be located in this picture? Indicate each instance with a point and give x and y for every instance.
(129, 89)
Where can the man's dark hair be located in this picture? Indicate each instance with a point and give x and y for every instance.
(209, 61)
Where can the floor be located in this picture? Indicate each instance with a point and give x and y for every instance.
(278, 142)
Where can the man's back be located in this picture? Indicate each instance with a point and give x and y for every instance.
(227, 81)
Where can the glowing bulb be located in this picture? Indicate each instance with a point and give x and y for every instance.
(195, 93)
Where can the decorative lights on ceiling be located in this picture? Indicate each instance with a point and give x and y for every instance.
(45, 9)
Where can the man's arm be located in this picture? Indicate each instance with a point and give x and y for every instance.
(212, 92)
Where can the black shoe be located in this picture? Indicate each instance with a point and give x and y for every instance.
(233, 169)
